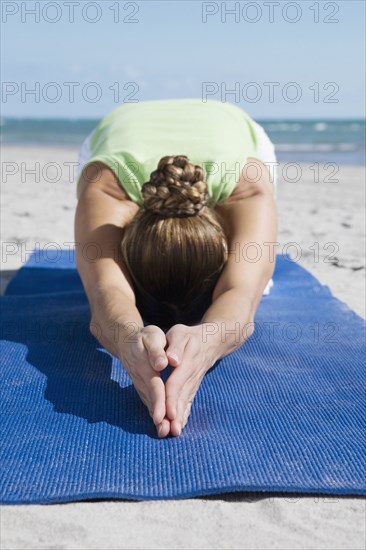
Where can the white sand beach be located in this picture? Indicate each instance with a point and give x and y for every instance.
(326, 221)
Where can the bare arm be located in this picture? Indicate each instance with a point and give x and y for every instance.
(251, 219)
(101, 214)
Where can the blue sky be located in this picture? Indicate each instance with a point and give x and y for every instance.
(169, 52)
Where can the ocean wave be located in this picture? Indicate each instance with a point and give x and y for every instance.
(316, 147)
(284, 127)
(354, 127)
(320, 126)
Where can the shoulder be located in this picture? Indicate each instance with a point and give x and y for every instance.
(101, 177)
(254, 178)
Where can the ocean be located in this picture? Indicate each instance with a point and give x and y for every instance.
(338, 141)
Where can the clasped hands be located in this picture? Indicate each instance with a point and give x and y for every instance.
(150, 352)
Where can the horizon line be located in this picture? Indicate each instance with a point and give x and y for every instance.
(86, 119)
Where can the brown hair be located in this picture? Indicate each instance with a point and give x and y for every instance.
(175, 247)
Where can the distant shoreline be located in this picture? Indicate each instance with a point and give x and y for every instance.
(341, 141)
(353, 158)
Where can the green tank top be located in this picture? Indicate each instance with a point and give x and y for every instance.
(217, 136)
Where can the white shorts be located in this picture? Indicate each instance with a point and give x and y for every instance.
(84, 154)
(266, 153)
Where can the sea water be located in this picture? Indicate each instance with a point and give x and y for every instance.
(338, 141)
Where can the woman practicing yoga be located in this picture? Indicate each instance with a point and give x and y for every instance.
(178, 199)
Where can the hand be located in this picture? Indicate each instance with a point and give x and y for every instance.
(191, 358)
(144, 357)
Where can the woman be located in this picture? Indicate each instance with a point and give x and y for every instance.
(171, 194)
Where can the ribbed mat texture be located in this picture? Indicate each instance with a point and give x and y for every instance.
(284, 413)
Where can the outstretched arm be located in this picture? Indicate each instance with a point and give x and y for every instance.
(251, 221)
(100, 216)
(102, 212)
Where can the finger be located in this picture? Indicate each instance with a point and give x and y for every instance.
(184, 406)
(177, 424)
(156, 392)
(176, 346)
(157, 361)
(173, 389)
(154, 346)
(179, 378)
(163, 428)
(175, 428)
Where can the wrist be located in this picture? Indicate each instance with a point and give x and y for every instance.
(225, 336)
(115, 334)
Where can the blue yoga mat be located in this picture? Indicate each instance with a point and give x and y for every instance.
(284, 413)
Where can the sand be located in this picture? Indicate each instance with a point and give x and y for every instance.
(321, 224)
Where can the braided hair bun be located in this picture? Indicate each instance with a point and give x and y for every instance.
(176, 188)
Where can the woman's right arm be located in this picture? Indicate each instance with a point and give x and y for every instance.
(101, 214)
(103, 210)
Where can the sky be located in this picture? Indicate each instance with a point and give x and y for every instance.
(280, 59)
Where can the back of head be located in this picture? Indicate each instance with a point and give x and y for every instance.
(175, 247)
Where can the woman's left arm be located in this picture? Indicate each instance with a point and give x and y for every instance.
(251, 218)
(251, 221)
